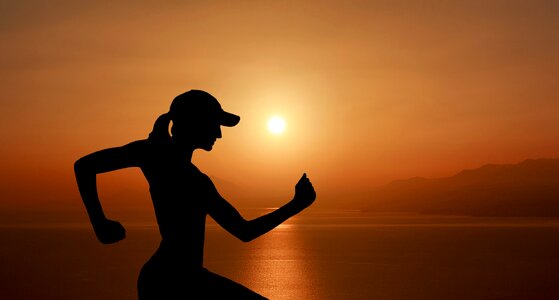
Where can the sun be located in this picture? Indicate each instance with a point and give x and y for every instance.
(276, 125)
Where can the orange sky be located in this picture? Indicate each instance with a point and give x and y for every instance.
(371, 91)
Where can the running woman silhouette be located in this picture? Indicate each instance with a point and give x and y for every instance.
(182, 198)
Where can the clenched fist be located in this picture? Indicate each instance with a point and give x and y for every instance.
(304, 192)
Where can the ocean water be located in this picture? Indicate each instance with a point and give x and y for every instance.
(329, 255)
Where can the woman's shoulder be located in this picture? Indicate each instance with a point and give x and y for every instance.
(148, 145)
(141, 149)
(137, 147)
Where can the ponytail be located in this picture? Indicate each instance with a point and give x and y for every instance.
(160, 132)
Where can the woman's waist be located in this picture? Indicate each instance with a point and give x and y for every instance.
(185, 242)
(179, 255)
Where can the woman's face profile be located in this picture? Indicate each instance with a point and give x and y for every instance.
(198, 134)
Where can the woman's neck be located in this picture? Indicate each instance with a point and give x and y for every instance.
(182, 150)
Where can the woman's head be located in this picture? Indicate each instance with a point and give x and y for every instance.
(197, 117)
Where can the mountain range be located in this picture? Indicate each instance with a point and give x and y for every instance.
(526, 189)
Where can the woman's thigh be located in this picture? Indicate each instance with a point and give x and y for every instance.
(219, 287)
(201, 284)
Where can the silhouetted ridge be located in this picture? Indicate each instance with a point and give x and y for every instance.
(529, 188)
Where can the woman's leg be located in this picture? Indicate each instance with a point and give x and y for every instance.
(219, 287)
(163, 283)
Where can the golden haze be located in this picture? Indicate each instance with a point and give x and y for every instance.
(372, 91)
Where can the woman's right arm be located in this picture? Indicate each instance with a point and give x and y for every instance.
(86, 170)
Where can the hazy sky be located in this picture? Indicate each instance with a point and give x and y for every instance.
(371, 90)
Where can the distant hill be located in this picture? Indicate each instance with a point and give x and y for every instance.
(530, 188)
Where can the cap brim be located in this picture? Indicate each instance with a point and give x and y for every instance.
(229, 119)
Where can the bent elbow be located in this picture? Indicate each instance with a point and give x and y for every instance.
(78, 165)
(81, 165)
(246, 234)
(246, 238)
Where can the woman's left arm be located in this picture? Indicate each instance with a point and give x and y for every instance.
(230, 219)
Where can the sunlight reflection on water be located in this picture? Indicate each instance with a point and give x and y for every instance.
(279, 267)
(317, 256)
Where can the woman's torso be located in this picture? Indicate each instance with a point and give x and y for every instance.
(180, 195)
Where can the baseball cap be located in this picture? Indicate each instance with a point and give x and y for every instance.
(200, 105)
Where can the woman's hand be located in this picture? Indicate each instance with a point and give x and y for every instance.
(304, 192)
(109, 231)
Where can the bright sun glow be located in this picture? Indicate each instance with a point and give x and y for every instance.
(276, 125)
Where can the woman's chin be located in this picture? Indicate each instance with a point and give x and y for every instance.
(207, 147)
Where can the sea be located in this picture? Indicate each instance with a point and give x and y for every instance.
(315, 255)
